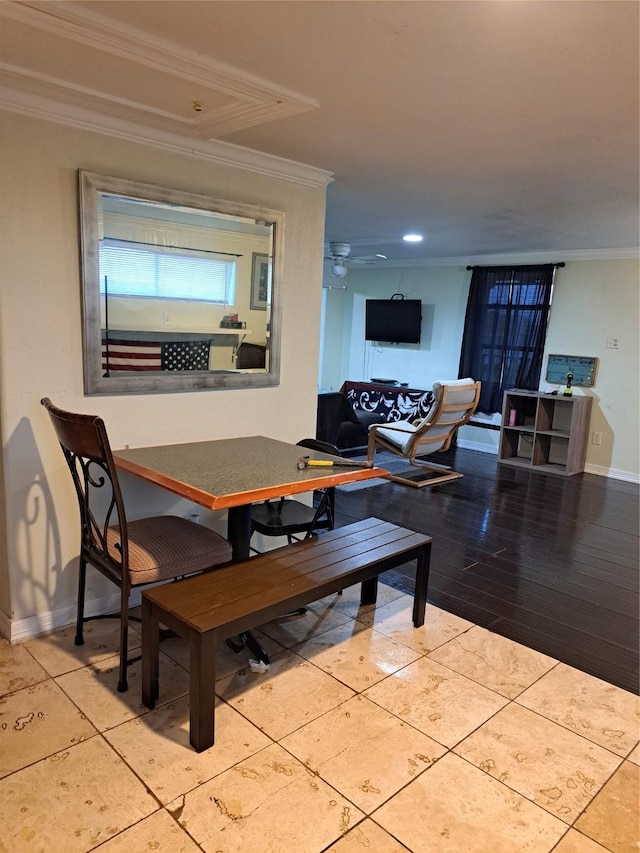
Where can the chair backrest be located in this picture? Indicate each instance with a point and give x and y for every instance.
(455, 403)
(86, 448)
(327, 505)
(321, 446)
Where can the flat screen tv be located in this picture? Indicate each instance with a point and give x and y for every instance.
(395, 321)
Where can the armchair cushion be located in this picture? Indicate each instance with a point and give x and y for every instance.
(400, 432)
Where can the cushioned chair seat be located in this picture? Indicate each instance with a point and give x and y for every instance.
(165, 547)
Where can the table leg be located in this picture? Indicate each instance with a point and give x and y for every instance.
(422, 583)
(239, 531)
(239, 536)
(150, 655)
(202, 680)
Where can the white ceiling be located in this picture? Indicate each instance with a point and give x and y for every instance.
(491, 126)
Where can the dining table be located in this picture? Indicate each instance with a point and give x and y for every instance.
(233, 473)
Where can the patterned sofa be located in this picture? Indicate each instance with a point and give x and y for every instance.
(344, 416)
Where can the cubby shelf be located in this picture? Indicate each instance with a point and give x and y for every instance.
(544, 432)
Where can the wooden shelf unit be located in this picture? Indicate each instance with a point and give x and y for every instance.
(550, 432)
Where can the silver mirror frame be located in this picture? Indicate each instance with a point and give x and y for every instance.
(90, 187)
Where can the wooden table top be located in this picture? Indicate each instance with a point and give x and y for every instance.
(236, 471)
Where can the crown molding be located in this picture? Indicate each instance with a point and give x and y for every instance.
(77, 115)
(245, 99)
(18, 85)
(252, 100)
(552, 256)
(67, 20)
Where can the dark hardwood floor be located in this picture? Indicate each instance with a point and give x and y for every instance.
(548, 561)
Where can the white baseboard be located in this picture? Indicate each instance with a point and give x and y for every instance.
(17, 630)
(612, 473)
(476, 445)
(5, 626)
(599, 470)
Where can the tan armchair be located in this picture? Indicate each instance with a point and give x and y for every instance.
(454, 404)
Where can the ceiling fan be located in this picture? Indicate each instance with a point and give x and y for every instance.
(340, 253)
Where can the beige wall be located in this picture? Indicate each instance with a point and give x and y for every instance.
(593, 300)
(40, 349)
(443, 291)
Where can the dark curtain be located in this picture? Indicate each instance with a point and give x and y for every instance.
(505, 329)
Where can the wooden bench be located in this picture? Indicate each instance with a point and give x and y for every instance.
(220, 604)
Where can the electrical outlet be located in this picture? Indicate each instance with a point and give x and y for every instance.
(613, 343)
(596, 438)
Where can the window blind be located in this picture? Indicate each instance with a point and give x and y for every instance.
(166, 273)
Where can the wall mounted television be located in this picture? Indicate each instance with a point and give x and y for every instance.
(395, 321)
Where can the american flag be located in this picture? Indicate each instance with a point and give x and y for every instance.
(186, 355)
(138, 356)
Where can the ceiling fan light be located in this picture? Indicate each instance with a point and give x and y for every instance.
(338, 270)
(340, 250)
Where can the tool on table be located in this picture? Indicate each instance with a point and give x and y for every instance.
(306, 462)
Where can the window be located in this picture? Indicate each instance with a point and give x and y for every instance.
(505, 330)
(166, 273)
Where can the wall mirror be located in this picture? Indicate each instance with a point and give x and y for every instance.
(180, 291)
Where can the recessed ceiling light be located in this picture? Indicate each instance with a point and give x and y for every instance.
(412, 238)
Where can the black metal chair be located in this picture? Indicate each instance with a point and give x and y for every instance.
(292, 518)
(129, 553)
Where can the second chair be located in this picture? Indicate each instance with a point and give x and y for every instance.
(292, 518)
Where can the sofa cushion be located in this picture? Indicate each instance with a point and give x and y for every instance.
(368, 418)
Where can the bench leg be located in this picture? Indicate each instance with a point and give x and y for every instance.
(369, 591)
(202, 680)
(422, 582)
(150, 654)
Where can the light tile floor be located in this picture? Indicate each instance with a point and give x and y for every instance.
(365, 734)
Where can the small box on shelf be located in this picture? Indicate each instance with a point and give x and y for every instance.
(518, 411)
